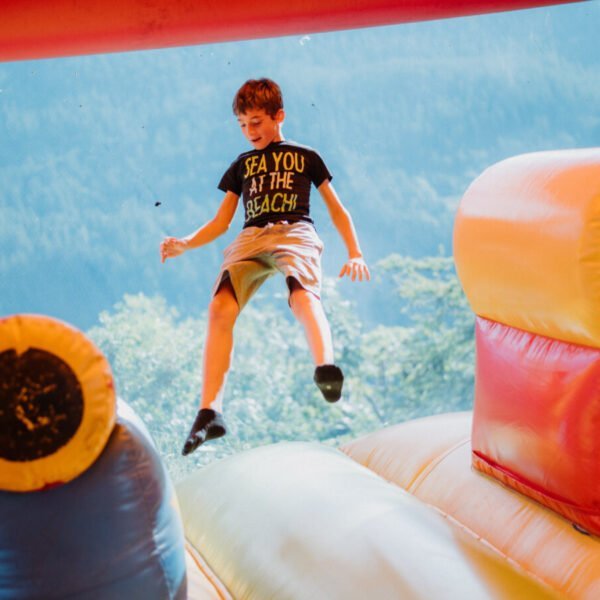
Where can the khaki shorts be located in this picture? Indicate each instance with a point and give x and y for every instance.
(293, 249)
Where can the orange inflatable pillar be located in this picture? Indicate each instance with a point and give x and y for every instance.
(527, 251)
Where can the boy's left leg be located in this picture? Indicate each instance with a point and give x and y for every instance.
(218, 347)
(308, 310)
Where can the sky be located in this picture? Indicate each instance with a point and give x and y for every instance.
(102, 156)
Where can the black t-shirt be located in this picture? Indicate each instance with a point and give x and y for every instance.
(275, 182)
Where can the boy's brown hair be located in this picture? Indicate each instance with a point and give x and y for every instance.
(256, 94)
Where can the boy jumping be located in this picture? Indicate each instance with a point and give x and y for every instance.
(274, 180)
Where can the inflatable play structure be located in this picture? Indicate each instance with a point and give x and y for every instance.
(500, 503)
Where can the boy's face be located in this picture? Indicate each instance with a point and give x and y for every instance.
(259, 128)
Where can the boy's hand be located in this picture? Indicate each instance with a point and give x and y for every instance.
(172, 247)
(356, 267)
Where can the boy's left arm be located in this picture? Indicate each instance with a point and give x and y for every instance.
(355, 267)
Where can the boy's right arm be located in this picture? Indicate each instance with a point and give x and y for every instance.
(218, 225)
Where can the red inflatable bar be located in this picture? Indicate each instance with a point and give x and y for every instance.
(31, 29)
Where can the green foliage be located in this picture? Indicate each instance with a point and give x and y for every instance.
(154, 355)
(392, 373)
(436, 361)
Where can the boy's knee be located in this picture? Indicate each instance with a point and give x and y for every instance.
(301, 299)
(223, 308)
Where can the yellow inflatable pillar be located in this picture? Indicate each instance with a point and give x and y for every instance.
(57, 402)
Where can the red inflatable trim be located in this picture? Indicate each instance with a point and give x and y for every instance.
(45, 28)
(536, 419)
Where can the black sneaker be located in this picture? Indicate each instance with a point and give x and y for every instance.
(208, 425)
(329, 380)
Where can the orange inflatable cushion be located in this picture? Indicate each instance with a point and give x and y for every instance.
(431, 459)
(527, 244)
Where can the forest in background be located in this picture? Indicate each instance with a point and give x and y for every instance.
(405, 117)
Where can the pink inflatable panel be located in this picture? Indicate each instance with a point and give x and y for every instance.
(537, 418)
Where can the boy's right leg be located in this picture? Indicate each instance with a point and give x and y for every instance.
(218, 347)
(223, 312)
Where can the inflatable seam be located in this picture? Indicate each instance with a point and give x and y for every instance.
(202, 565)
(419, 479)
(534, 488)
(513, 562)
(430, 466)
